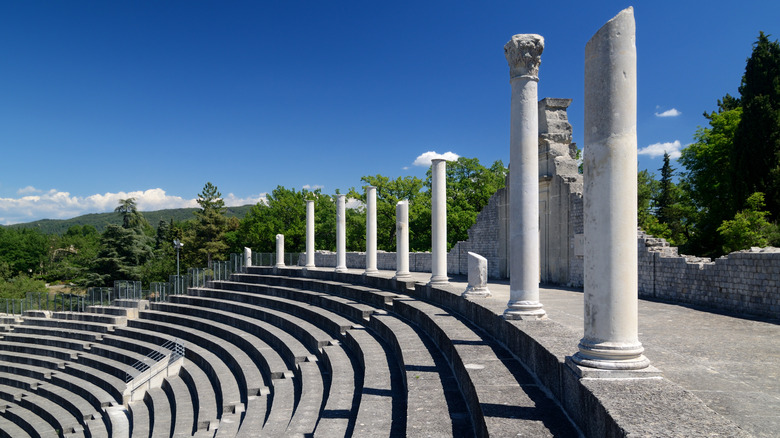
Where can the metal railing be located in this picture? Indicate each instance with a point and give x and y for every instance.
(269, 258)
(155, 363)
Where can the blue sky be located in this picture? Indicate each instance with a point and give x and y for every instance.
(105, 100)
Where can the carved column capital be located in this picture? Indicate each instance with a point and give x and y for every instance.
(524, 54)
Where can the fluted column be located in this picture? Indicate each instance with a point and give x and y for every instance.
(341, 233)
(280, 250)
(309, 233)
(439, 221)
(402, 240)
(523, 53)
(610, 193)
(371, 230)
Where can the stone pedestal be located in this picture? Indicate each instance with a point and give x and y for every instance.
(309, 234)
(610, 215)
(478, 274)
(402, 240)
(341, 233)
(247, 257)
(280, 250)
(523, 53)
(371, 230)
(439, 222)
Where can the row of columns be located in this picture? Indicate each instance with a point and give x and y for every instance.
(610, 340)
(438, 230)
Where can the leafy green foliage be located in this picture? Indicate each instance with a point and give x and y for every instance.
(18, 286)
(749, 227)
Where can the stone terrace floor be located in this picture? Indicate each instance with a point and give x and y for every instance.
(731, 363)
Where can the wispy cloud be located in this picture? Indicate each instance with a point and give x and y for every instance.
(426, 158)
(668, 113)
(26, 190)
(56, 204)
(657, 149)
(313, 187)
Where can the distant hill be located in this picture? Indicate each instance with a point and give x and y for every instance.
(101, 220)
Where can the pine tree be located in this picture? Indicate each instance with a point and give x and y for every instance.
(756, 157)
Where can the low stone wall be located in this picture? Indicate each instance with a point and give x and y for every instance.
(742, 282)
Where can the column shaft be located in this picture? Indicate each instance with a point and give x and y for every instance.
(309, 234)
(439, 221)
(610, 193)
(523, 53)
(371, 230)
(402, 240)
(341, 233)
(280, 250)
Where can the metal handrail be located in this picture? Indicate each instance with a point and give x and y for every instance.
(176, 350)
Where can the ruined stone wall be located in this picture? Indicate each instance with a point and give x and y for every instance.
(743, 282)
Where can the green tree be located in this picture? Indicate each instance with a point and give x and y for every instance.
(708, 178)
(749, 227)
(22, 250)
(131, 217)
(469, 188)
(756, 153)
(121, 255)
(206, 239)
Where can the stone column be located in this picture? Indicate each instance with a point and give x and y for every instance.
(280, 250)
(610, 193)
(402, 240)
(371, 230)
(247, 257)
(309, 234)
(478, 269)
(523, 53)
(341, 233)
(439, 222)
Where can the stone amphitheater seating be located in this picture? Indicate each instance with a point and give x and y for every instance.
(271, 352)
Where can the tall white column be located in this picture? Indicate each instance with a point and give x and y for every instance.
(610, 217)
(280, 250)
(341, 233)
(309, 234)
(523, 53)
(371, 230)
(402, 240)
(439, 222)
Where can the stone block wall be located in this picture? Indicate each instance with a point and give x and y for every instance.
(743, 282)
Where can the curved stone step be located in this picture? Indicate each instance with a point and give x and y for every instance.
(28, 421)
(140, 422)
(434, 405)
(182, 410)
(9, 429)
(204, 399)
(65, 324)
(160, 415)
(503, 398)
(80, 335)
(55, 415)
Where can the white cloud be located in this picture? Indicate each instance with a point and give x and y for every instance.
(425, 159)
(657, 149)
(668, 113)
(313, 187)
(55, 204)
(28, 189)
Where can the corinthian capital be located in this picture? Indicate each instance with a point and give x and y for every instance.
(524, 54)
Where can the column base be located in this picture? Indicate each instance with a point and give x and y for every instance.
(482, 292)
(439, 279)
(402, 276)
(340, 269)
(310, 266)
(610, 355)
(371, 271)
(280, 265)
(524, 310)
